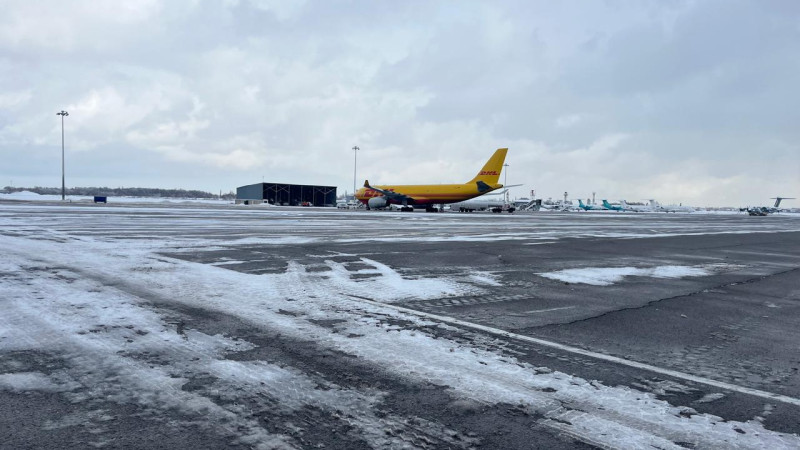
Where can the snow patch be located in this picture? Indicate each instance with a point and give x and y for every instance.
(606, 276)
(27, 381)
(708, 398)
(486, 278)
(387, 285)
(286, 240)
(459, 238)
(21, 194)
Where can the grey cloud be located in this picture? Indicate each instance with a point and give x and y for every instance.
(222, 93)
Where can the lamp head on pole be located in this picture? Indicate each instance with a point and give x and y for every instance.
(62, 113)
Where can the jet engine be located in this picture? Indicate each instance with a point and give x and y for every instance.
(377, 202)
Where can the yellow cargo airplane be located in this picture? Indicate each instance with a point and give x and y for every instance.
(428, 195)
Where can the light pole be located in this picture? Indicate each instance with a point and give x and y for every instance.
(63, 186)
(505, 181)
(355, 161)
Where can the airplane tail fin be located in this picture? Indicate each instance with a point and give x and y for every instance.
(490, 173)
(778, 200)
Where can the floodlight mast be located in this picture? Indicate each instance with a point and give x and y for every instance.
(63, 184)
(355, 161)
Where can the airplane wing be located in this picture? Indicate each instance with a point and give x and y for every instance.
(503, 192)
(391, 195)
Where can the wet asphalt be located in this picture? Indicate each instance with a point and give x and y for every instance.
(740, 325)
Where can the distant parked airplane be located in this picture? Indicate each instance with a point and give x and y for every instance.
(428, 195)
(490, 202)
(560, 206)
(611, 207)
(638, 208)
(764, 210)
(627, 207)
(588, 207)
(671, 208)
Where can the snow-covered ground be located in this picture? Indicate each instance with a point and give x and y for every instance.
(93, 299)
(29, 196)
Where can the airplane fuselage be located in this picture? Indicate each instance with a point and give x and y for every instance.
(427, 194)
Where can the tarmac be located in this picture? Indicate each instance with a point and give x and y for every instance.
(592, 295)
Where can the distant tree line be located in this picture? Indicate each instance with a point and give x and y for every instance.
(122, 192)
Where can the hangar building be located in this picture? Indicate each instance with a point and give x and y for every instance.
(286, 194)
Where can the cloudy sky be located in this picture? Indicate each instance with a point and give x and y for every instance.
(692, 102)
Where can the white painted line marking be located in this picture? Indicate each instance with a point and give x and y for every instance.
(547, 310)
(590, 354)
(780, 255)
